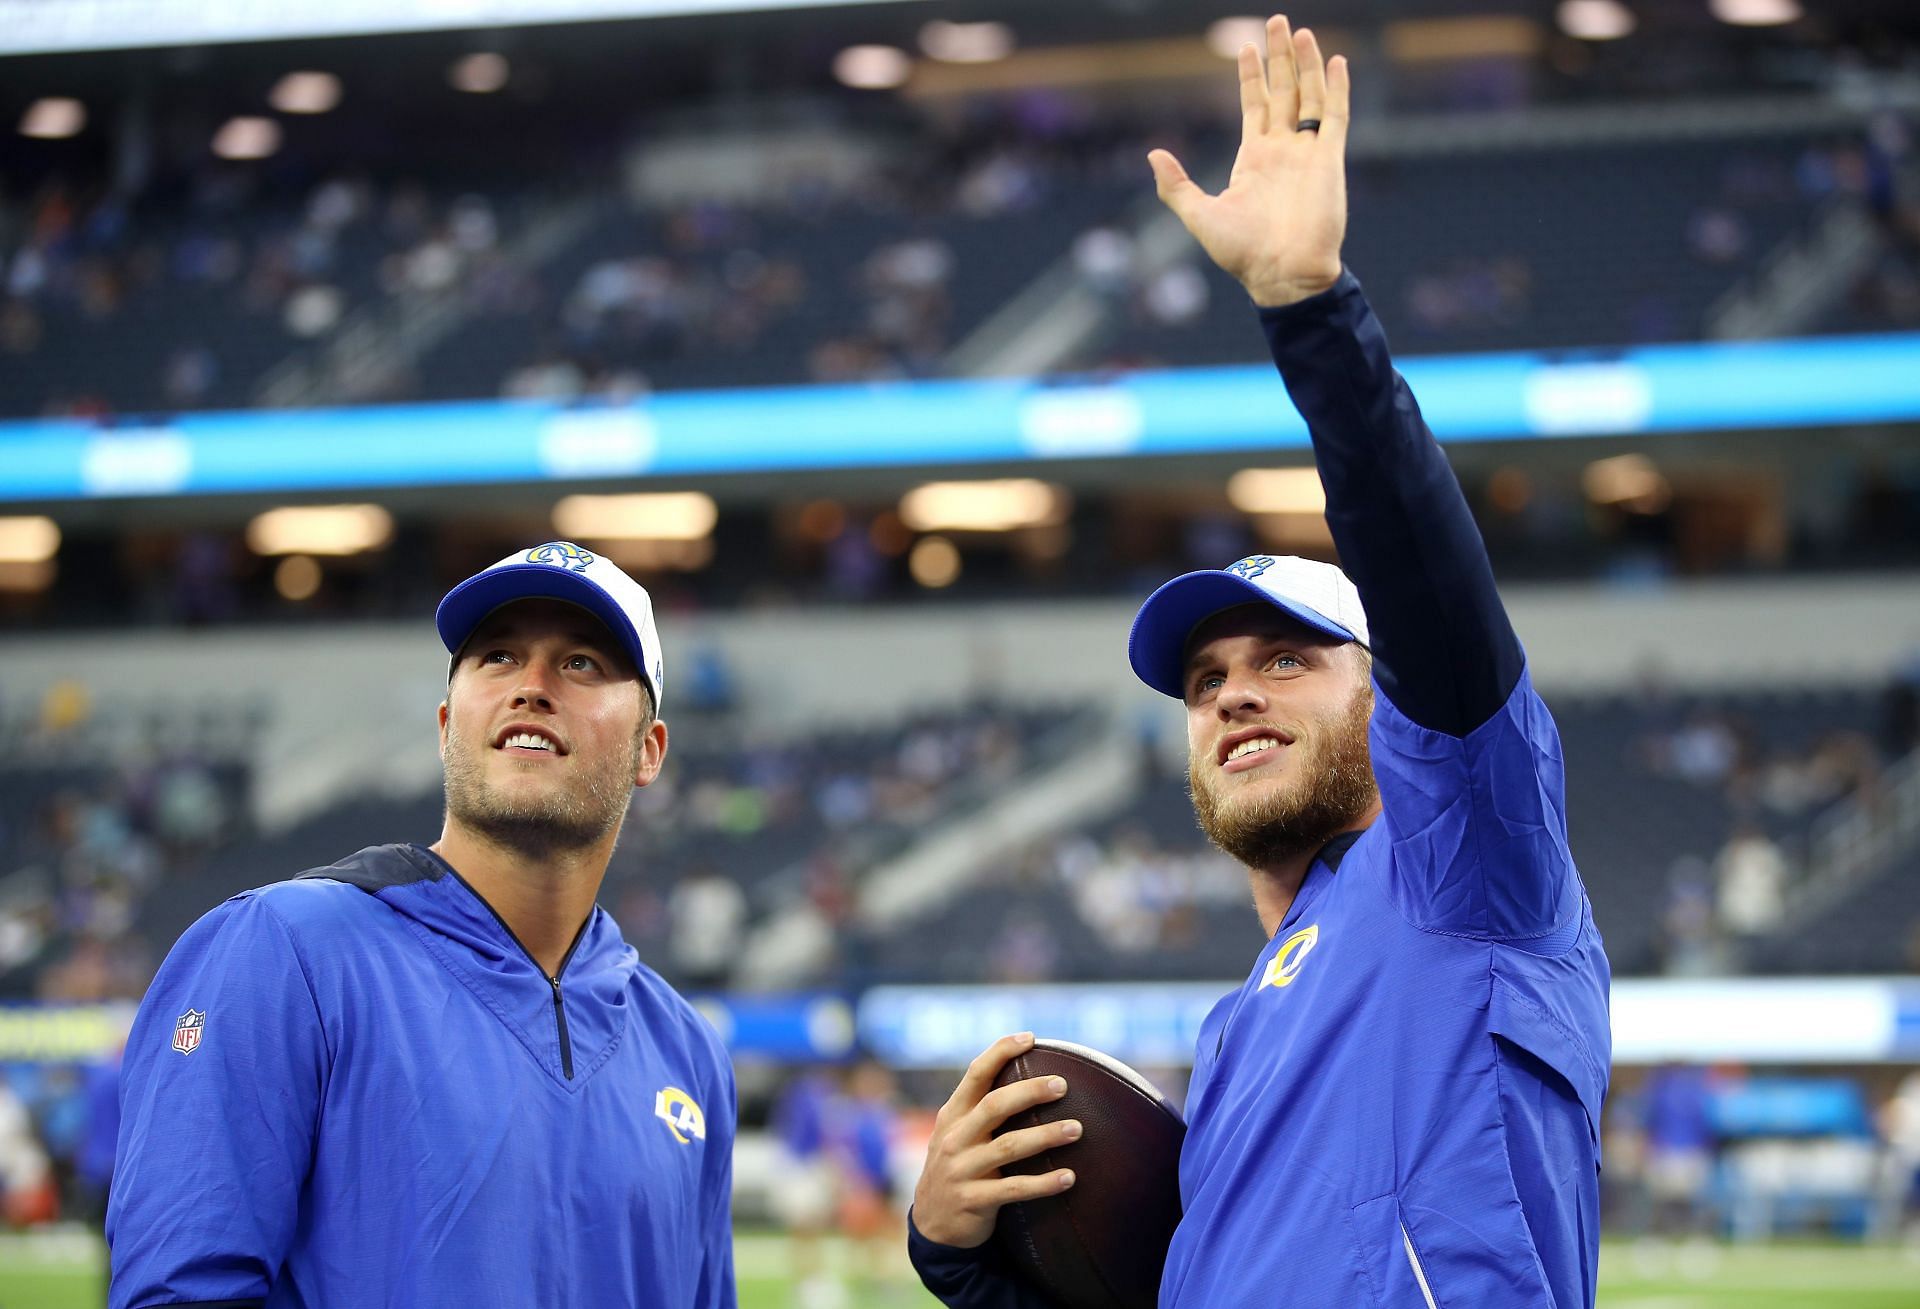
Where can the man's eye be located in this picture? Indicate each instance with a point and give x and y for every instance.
(495, 656)
(585, 663)
(1286, 661)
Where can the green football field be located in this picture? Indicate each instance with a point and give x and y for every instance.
(61, 1271)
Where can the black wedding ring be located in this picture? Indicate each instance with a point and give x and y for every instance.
(1307, 125)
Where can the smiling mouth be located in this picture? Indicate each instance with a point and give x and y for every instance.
(529, 745)
(1255, 746)
(1251, 754)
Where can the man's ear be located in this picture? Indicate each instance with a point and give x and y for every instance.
(443, 729)
(653, 753)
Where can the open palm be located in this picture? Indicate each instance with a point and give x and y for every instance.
(1278, 226)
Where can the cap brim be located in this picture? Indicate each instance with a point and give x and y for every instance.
(468, 604)
(1157, 646)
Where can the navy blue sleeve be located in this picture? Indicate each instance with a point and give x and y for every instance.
(221, 1086)
(1472, 783)
(1444, 652)
(967, 1279)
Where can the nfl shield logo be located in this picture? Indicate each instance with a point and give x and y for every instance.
(186, 1032)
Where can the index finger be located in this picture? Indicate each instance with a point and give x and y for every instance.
(978, 1079)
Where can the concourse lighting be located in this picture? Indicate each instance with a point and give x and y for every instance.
(1630, 481)
(1277, 491)
(297, 578)
(966, 43)
(653, 516)
(247, 138)
(872, 67)
(32, 540)
(53, 118)
(305, 93)
(1227, 35)
(320, 530)
(480, 74)
(1755, 13)
(1595, 20)
(997, 506)
(934, 563)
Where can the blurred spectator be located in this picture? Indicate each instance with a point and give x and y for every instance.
(802, 1192)
(27, 1193)
(862, 1135)
(1751, 874)
(1679, 1142)
(706, 920)
(1900, 1176)
(93, 1163)
(1689, 939)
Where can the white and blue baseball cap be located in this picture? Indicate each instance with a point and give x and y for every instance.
(560, 570)
(1317, 594)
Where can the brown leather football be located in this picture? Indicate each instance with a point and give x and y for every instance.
(1103, 1243)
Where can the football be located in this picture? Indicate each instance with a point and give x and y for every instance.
(1101, 1244)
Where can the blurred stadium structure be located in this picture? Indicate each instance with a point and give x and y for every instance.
(873, 306)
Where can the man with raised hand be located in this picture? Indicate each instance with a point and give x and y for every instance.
(1400, 1105)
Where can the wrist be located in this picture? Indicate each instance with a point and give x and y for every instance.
(941, 1236)
(1280, 294)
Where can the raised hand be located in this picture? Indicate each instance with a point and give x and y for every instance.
(960, 1191)
(1279, 224)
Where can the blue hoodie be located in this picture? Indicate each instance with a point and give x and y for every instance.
(357, 1088)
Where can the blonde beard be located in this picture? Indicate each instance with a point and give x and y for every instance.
(1334, 789)
(570, 818)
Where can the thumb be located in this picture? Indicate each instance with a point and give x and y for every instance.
(1177, 191)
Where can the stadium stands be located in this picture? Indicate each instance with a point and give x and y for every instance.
(1657, 787)
(128, 851)
(204, 289)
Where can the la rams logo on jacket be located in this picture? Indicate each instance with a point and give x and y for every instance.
(682, 1116)
(1292, 955)
(561, 554)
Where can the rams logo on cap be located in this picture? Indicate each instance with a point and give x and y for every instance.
(561, 554)
(1285, 965)
(682, 1116)
(1252, 566)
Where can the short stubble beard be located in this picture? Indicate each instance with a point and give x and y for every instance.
(1334, 790)
(561, 820)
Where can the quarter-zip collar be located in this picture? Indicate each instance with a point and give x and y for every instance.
(570, 1022)
(1320, 871)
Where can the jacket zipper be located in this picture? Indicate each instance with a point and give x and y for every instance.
(1419, 1273)
(559, 1005)
(560, 1021)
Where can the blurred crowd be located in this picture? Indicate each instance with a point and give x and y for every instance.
(732, 839)
(212, 277)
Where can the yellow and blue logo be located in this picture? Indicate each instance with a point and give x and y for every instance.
(1252, 566)
(1286, 962)
(682, 1116)
(561, 554)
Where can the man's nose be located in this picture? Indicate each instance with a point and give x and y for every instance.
(1241, 694)
(534, 691)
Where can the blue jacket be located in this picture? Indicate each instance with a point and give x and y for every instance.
(1400, 1106)
(356, 1088)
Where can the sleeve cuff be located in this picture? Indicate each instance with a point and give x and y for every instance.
(1313, 309)
(930, 1257)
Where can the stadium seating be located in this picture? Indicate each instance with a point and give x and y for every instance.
(1544, 248)
(1656, 785)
